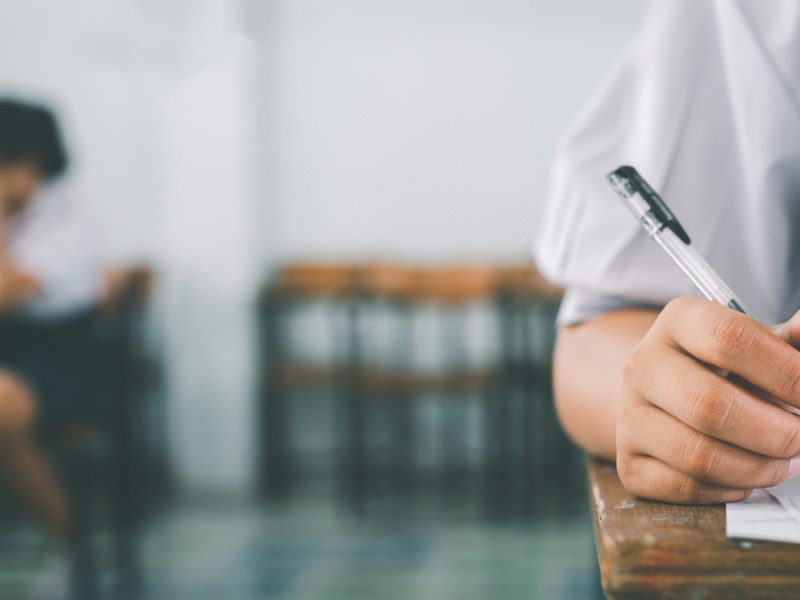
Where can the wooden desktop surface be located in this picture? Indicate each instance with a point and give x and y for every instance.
(655, 550)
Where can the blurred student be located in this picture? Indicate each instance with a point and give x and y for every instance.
(705, 103)
(48, 270)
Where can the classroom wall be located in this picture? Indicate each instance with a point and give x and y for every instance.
(210, 272)
(409, 129)
(420, 129)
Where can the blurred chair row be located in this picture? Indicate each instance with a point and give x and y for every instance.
(111, 455)
(376, 365)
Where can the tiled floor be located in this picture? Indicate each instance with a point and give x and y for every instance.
(309, 547)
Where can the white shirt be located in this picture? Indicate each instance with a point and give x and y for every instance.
(705, 103)
(51, 241)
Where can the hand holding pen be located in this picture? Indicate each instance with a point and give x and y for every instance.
(686, 433)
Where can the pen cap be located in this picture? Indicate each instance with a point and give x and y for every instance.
(663, 227)
(644, 202)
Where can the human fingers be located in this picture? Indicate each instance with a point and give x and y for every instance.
(652, 432)
(789, 331)
(711, 404)
(651, 478)
(730, 340)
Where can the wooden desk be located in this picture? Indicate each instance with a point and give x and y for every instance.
(654, 550)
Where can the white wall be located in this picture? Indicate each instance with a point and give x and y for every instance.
(421, 129)
(207, 255)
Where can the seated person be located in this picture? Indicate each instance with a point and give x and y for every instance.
(704, 103)
(48, 270)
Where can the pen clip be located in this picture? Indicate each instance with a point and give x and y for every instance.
(634, 183)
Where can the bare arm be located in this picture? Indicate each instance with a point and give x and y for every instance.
(589, 359)
(17, 287)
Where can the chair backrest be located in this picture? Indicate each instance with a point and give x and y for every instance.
(443, 285)
(524, 282)
(313, 280)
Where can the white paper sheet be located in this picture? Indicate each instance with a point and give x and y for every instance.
(762, 517)
(788, 494)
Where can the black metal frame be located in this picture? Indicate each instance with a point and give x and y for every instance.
(520, 423)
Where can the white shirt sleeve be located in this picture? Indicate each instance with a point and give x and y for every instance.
(701, 104)
(55, 244)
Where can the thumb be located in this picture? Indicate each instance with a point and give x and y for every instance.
(789, 331)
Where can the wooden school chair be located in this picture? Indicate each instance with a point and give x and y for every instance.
(361, 375)
(383, 290)
(374, 311)
(334, 288)
(531, 451)
(393, 378)
(120, 454)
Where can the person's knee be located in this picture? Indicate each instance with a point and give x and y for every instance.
(17, 405)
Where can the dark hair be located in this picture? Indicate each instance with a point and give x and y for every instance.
(30, 132)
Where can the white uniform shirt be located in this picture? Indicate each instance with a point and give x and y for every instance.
(52, 242)
(705, 103)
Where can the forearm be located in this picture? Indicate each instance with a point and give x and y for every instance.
(18, 287)
(588, 364)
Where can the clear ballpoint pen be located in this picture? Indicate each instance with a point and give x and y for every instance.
(661, 225)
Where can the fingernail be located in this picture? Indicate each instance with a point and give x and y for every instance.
(794, 468)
